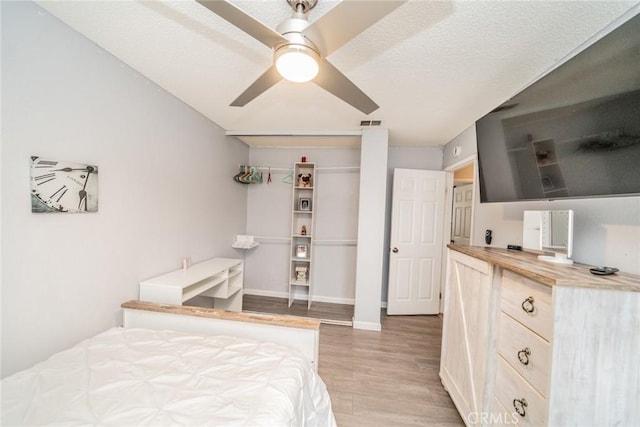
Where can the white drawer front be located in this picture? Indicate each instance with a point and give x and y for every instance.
(528, 302)
(525, 351)
(517, 395)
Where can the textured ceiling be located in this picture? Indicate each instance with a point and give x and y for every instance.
(434, 67)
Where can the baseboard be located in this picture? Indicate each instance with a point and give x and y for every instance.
(265, 293)
(276, 294)
(368, 326)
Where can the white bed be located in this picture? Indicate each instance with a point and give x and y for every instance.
(141, 376)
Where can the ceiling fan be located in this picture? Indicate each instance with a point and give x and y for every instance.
(300, 47)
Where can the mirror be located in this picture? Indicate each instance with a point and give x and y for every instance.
(550, 232)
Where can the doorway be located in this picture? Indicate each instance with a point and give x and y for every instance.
(461, 214)
(461, 199)
(463, 176)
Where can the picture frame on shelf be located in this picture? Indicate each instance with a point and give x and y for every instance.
(301, 251)
(304, 204)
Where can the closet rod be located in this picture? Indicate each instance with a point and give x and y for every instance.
(328, 168)
(266, 168)
(284, 239)
(350, 242)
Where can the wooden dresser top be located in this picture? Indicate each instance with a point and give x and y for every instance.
(528, 265)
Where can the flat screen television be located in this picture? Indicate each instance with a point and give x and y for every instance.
(575, 133)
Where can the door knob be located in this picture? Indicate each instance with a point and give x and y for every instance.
(394, 250)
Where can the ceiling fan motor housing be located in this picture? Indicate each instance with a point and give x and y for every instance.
(291, 29)
(303, 6)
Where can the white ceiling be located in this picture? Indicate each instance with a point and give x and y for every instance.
(434, 67)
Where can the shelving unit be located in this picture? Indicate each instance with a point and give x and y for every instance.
(549, 171)
(217, 278)
(302, 208)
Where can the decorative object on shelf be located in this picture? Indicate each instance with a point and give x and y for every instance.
(304, 159)
(249, 175)
(244, 242)
(305, 180)
(186, 263)
(303, 230)
(301, 251)
(302, 273)
(58, 186)
(304, 204)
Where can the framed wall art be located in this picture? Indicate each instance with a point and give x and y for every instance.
(60, 186)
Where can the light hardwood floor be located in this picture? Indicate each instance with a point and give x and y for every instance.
(340, 313)
(387, 378)
(376, 379)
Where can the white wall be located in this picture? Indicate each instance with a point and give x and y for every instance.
(606, 230)
(461, 147)
(335, 216)
(425, 158)
(166, 188)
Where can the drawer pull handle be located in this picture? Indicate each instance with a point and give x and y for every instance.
(519, 405)
(527, 305)
(523, 355)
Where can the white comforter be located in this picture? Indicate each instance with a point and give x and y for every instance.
(133, 377)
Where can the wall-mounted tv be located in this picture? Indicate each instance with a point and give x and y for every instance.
(575, 133)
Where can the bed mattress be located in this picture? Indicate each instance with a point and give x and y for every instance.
(145, 377)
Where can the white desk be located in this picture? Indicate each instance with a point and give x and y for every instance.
(217, 278)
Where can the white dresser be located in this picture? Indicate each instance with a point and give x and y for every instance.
(220, 279)
(542, 345)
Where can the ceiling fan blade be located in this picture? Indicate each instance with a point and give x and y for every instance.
(332, 80)
(264, 82)
(345, 21)
(246, 23)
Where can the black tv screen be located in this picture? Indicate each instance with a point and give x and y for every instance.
(575, 133)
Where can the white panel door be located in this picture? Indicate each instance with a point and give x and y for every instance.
(462, 205)
(416, 241)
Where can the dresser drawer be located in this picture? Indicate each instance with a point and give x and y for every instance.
(498, 416)
(528, 302)
(525, 351)
(517, 395)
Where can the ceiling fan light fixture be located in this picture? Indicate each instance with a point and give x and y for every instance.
(297, 63)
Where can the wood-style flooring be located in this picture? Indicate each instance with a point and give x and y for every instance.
(328, 313)
(387, 378)
(376, 379)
